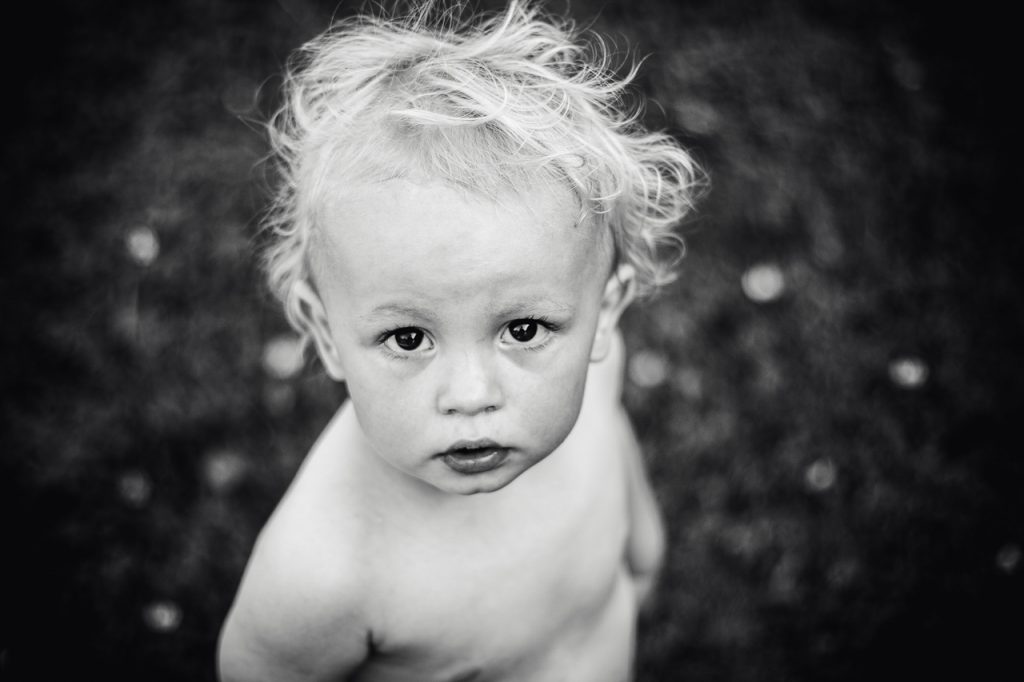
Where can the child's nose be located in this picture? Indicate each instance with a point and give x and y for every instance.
(469, 385)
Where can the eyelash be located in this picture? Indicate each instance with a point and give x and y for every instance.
(382, 341)
(547, 324)
(550, 326)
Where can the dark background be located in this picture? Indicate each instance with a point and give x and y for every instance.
(838, 456)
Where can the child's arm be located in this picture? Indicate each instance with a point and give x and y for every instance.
(291, 625)
(645, 548)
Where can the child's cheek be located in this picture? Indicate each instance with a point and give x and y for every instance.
(384, 394)
(553, 399)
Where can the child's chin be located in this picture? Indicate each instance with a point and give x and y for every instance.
(489, 482)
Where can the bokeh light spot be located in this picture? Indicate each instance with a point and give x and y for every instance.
(239, 97)
(763, 283)
(689, 383)
(908, 372)
(224, 469)
(908, 72)
(162, 616)
(842, 573)
(698, 116)
(820, 475)
(1008, 558)
(279, 399)
(135, 488)
(143, 245)
(748, 540)
(282, 356)
(648, 369)
(784, 583)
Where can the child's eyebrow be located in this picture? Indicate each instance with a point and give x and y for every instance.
(396, 310)
(543, 306)
(533, 307)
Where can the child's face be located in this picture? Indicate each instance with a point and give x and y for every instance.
(462, 326)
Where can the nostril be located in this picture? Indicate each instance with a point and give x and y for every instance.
(469, 410)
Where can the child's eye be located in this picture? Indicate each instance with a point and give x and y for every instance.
(406, 340)
(523, 331)
(526, 332)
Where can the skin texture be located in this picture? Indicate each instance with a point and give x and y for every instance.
(389, 264)
(383, 561)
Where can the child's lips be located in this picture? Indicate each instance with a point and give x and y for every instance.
(474, 457)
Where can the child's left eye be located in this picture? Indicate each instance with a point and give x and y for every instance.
(526, 332)
(523, 331)
(407, 340)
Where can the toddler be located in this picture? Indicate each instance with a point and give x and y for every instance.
(465, 210)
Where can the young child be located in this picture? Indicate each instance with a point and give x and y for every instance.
(465, 212)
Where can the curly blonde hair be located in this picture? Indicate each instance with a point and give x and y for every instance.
(484, 104)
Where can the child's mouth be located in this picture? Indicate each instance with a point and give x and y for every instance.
(475, 457)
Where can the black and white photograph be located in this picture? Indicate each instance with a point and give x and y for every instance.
(511, 341)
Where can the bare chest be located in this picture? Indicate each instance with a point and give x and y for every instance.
(522, 586)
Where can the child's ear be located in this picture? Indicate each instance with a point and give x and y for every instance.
(618, 294)
(313, 317)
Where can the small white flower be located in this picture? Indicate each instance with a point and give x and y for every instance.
(143, 245)
(223, 469)
(1008, 558)
(648, 369)
(820, 475)
(763, 283)
(282, 356)
(162, 616)
(135, 488)
(908, 372)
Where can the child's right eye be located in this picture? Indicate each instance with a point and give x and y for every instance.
(406, 340)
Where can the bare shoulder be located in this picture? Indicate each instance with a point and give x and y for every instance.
(602, 412)
(300, 612)
(603, 430)
(604, 379)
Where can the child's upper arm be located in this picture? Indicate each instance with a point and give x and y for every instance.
(296, 618)
(647, 533)
(646, 544)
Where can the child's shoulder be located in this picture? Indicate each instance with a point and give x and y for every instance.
(302, 594)
(311, 532)
(296, 616)
(606, 376)
(294, 573)
(602, 412)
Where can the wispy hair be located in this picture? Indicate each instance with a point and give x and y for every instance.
(485, 103)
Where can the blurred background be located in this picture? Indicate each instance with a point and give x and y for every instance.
(828, 397)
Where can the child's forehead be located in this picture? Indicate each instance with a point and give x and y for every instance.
(430, 221)
(537, 200)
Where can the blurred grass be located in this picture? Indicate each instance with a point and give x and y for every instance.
(833, 515)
